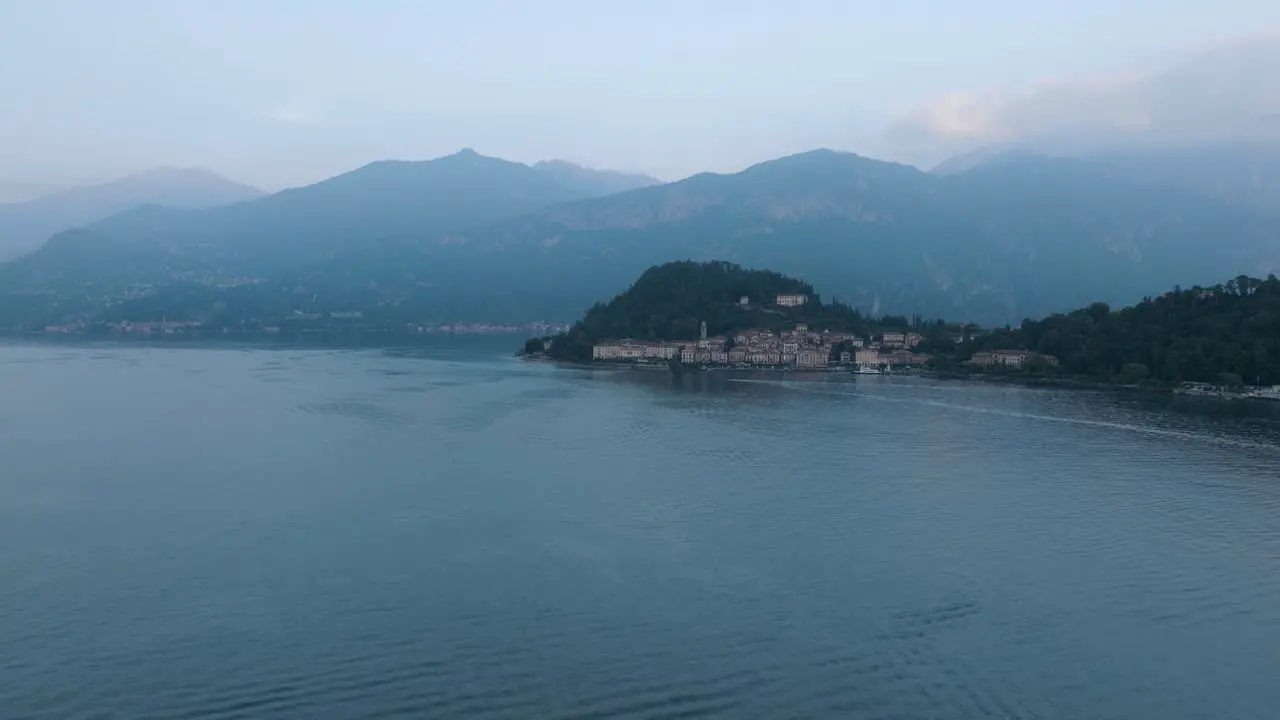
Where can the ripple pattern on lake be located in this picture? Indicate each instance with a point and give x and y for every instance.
(358, 410)
(406, 534)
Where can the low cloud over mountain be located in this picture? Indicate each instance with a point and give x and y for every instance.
(1229, 91)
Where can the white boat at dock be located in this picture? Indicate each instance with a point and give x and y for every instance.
(868, 370)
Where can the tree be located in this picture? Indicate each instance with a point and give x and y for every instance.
(937, 345)
(1230, 379)
(1037, 365)
(1134, 373)
(1179, 336)
(1051, 343)
(944, 362)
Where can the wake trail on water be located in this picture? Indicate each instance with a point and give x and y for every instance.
(815, 389)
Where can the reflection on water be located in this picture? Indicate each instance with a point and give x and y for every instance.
(449, 532)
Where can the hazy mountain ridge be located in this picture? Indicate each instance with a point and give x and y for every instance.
(1017, 238)
(591, 182)
(1243, 173)
(1021, 237)
(383, 199)
(25, 226)
(810, 185)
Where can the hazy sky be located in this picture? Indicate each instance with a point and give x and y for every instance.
(284, 92)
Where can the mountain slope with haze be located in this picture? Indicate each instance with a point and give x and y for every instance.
(1247, 174)
(592, 183)
(380, 200)
(24, 226)
(473, 238)
(1018, 238)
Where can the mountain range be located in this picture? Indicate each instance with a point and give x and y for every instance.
(1020, 236)
(1246, 174)
(26, 225)
(468, 237)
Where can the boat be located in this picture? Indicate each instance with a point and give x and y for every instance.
(1271, 393)
(867, 370)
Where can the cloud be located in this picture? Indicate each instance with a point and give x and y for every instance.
(1227, 91)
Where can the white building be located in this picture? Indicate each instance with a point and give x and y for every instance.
(635, 350)
(894, 339)
(620, 351)
(661, 351)
(792, 300)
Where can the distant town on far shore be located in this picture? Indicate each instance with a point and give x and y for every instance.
(1217, 340)
(800, 347)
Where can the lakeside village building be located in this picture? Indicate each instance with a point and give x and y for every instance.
(796, 348)
(1009, 358)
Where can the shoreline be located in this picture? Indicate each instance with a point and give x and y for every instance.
(368, 341)
(651, 367)
(1060, 383)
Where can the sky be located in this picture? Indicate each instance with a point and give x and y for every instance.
(285, 92)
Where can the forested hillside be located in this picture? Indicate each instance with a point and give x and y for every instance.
(670, 301)
(1229, 333)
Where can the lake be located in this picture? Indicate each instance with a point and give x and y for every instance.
(446, 531)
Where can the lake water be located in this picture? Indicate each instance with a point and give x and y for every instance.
(448, 532)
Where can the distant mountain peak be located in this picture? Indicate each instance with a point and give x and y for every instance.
(170, 173)
(469, 158)
(173, 170)
(821, 167)
(825, 157)
(593, 181)
(988, 155)
(570, 165)
(23, 226)
(559, 165)
(808, 156)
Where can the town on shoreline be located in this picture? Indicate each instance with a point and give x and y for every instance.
(656, 324)
(800, 347)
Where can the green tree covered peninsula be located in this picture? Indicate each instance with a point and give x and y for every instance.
(671, 301)
(1226, 334)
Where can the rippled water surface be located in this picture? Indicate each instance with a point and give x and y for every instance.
(447, 532)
